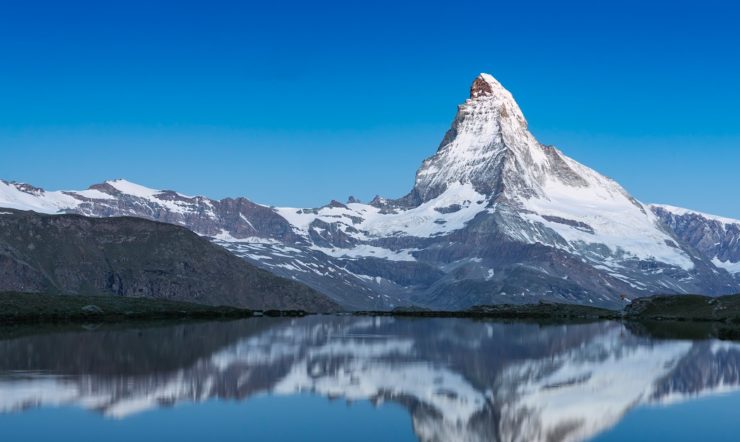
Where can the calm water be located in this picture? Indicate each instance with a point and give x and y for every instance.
(363, 379)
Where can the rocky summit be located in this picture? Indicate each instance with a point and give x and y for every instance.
(494, 217)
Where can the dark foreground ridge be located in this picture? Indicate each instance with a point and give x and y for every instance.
(41, 308)
(134, 257)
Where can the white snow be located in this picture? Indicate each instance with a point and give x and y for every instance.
(422, 221)
(611, 375)
(486, 127)
(12, 197)
(367, 251)
(425, 221)
(618, 222)
(683, 212)
(732, 267)
(134, 189)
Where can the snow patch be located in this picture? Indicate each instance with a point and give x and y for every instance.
(732, 267)
(367, 251)
(134, 189)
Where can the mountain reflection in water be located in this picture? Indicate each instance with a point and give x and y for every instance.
(460, 380)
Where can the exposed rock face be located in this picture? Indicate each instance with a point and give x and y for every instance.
(70, 254)
(494, 216)
(716, 238)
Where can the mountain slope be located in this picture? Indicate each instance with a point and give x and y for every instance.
(70, 254)
(494, 216)
(716, 238)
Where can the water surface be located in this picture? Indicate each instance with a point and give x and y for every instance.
(338, 378)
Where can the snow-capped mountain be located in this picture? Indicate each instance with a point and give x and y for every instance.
(494, 216)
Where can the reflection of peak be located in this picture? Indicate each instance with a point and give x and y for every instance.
(582, 392)
(460, 380)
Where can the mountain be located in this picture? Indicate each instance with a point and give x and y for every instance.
(716, 238)
(133, 257)
(493, 217)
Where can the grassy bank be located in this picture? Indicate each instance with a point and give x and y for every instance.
(32, 307)
(686, 308)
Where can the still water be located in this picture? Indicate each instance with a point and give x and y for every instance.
(338, 378)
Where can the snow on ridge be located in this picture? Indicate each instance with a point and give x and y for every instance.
(680, 211)
(618, 221)
(732, 267)
(92, 194)
(156, 196)
(485, 127)
(134, 189)
(426, 220)
(129, 188)
(12, 197)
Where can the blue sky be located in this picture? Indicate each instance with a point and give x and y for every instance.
(296, 103)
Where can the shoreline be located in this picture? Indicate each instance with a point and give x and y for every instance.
(26, 308)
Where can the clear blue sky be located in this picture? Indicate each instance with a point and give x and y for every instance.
(296, 103)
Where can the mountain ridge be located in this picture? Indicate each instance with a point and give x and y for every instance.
(494, 217)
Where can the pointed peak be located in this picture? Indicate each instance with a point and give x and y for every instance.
(485, 85)
(334, 204)
(487, 126)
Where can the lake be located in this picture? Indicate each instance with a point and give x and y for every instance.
(344, 378)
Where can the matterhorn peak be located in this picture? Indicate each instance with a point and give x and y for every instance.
(489, 134)
(485, 85)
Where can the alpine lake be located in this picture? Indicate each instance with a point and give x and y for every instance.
(364, 378)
